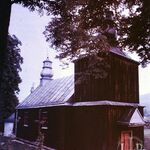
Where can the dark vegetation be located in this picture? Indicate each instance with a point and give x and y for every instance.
(86, 26)
(10, 79)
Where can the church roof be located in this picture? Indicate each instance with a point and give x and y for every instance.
(59, 91)
(132, 118)
(118, 51)
(54, 92)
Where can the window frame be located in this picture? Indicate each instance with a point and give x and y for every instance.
(44, 120)
(26, 119)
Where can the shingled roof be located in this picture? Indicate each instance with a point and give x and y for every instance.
(55, 92)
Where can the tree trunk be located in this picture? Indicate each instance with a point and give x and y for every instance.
(5, 10)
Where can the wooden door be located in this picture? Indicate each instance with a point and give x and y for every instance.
(126, 140)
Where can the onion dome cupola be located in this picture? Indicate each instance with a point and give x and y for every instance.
(46, 73)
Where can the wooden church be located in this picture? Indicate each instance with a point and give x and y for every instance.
(99, 114)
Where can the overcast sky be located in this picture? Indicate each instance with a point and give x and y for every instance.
(28, 27)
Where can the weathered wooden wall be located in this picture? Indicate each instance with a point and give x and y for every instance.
(79, 128)
(121, 84)
(30, 132)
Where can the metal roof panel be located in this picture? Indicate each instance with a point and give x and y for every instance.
(56, 91)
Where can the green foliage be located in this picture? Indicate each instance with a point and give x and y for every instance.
(135, 31)
(10, 78)
(80, 27)
(71, 31)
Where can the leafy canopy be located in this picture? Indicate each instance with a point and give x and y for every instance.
(80, 27)
(11, 78)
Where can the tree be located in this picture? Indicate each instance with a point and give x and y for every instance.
(9, 66)
(5, 11)
(10, 78)
(136, 31)
(85, 26)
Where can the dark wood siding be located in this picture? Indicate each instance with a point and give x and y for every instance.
(80, 128)
(85, 129)
(121, 84)
(55, 135)
(96, 127)
(29, 132)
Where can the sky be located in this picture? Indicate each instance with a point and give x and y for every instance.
(28, 27)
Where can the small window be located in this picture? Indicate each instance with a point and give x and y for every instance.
(44, 120)
(26, 119)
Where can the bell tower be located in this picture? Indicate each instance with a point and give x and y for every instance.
(46, 73)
